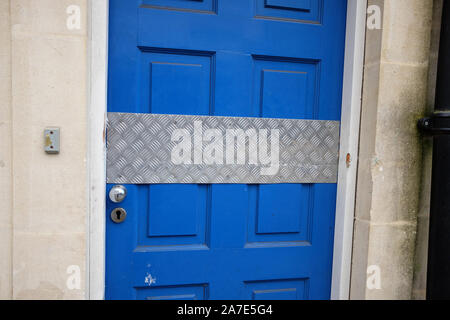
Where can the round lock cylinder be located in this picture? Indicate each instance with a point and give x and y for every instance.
(117, 193)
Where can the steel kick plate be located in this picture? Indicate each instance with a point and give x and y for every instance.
(159, 149)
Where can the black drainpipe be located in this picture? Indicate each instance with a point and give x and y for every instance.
(438, 277)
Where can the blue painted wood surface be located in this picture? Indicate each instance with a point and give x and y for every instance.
(261, 58)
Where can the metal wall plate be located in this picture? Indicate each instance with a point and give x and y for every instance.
(140, 150)
(51, 140)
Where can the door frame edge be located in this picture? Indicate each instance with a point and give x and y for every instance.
(349, 148)
(98, 15)
(97, 50)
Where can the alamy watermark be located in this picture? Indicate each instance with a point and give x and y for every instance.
(73, 21)
(373, 277)
(374, 17)
(73, 281)
(231, 146)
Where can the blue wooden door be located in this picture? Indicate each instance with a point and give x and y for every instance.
(252, 58)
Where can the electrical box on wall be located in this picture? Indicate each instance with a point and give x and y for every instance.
(51, 140)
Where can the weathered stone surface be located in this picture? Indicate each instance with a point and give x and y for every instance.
(390, 166)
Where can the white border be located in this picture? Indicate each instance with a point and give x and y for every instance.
(350, 119)
(351, 105)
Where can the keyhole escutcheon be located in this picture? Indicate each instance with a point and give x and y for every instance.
(118, 215)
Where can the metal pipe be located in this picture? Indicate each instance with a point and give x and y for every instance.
(438, 274)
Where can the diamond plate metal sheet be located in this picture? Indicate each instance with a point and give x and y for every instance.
(139, 148)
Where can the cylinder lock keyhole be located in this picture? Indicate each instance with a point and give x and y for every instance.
(118, 215)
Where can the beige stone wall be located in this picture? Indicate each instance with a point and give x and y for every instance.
(5, 153)
(43, 84)
(390, 165)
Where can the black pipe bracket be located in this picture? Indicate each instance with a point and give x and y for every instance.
(437, 124)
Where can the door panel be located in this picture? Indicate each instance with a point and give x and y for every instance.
(303, 10)
(200, 5)
(252, 58)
